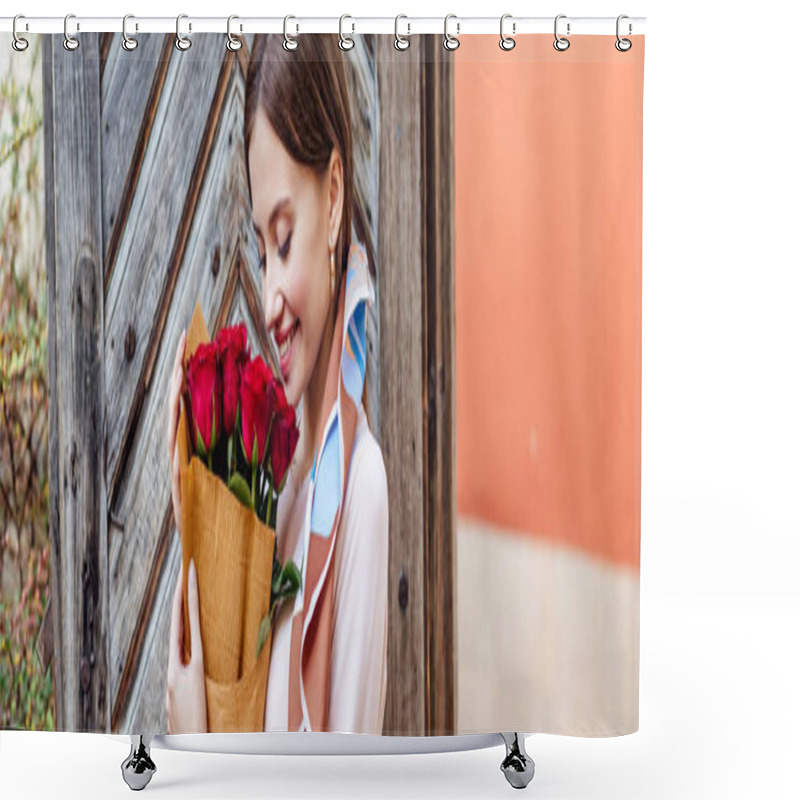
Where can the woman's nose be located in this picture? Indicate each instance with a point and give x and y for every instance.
(273, 301)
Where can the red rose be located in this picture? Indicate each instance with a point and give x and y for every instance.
(205, 398)
(258, 405)
(285, 434)
(233, 355)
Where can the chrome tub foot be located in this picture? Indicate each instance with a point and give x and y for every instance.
(517, 766)
(138, 768)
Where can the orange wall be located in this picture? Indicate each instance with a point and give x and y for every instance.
(548, 159)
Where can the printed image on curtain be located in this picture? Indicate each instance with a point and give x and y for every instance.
(320, 401)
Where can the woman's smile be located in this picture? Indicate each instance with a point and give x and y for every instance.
(284, 341)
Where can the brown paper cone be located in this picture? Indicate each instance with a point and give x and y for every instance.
(239, 707)
(233, 552)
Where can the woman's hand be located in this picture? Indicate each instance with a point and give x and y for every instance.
(172, 423)
(186, 688)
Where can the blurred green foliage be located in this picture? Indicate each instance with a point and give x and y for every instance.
(26, 693)
(26, 690)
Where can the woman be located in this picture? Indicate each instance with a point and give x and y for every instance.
(299, 168)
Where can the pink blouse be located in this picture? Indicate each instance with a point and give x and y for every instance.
(360, 595)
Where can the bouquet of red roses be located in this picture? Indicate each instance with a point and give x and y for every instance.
(236, 438)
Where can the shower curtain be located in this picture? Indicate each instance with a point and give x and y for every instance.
(321, 384)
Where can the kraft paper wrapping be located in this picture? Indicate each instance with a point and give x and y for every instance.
(232, 551)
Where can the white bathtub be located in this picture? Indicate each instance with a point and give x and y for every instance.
(317, 744)
(138, 768)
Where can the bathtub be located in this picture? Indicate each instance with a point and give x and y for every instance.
(139, 767)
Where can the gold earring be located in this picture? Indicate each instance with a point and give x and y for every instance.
(333, 273)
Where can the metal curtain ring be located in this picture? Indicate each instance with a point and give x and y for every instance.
(70, 42)
(182, 42)
(450, 42)
(289, 42)
(18, 43)
(623, 45)
(401, 42)
(506, 42)
(234, 43)
(346, 42)
(128, 43)
(561, 44)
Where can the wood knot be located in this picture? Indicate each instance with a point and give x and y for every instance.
(402, 591)
(86, 674)
(130, 343)
(215, 262)
(73, 467)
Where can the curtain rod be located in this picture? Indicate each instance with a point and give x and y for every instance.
(457, 26)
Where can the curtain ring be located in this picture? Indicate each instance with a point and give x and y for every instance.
(234, 43)
(506, 42)
(623, 45)
(401, 42)
(182, 42)
(450, 42)
(345, 42)
(18, 43)
(289, 42)
(70, 42)
(128, 43)
(561, 44)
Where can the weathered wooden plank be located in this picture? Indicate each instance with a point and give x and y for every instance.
(362, 87)
(438, 388)
(53, 460)
(143, 706)
(105, 46)
(79, 566)
(151, 248)
(131, 87)
(365, 115)
(401, 382)
(144, 494)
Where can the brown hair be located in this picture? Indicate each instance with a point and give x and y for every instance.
(304, 95)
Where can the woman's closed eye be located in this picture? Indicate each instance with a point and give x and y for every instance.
(283, 250)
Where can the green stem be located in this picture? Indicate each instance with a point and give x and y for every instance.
(269, 505)
(253, 490)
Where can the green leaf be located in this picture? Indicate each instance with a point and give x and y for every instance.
(263, 632)
(254, 457)
(201, 446)
(213, 424)
(288, 581)
(273, 510)
(238, 486)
